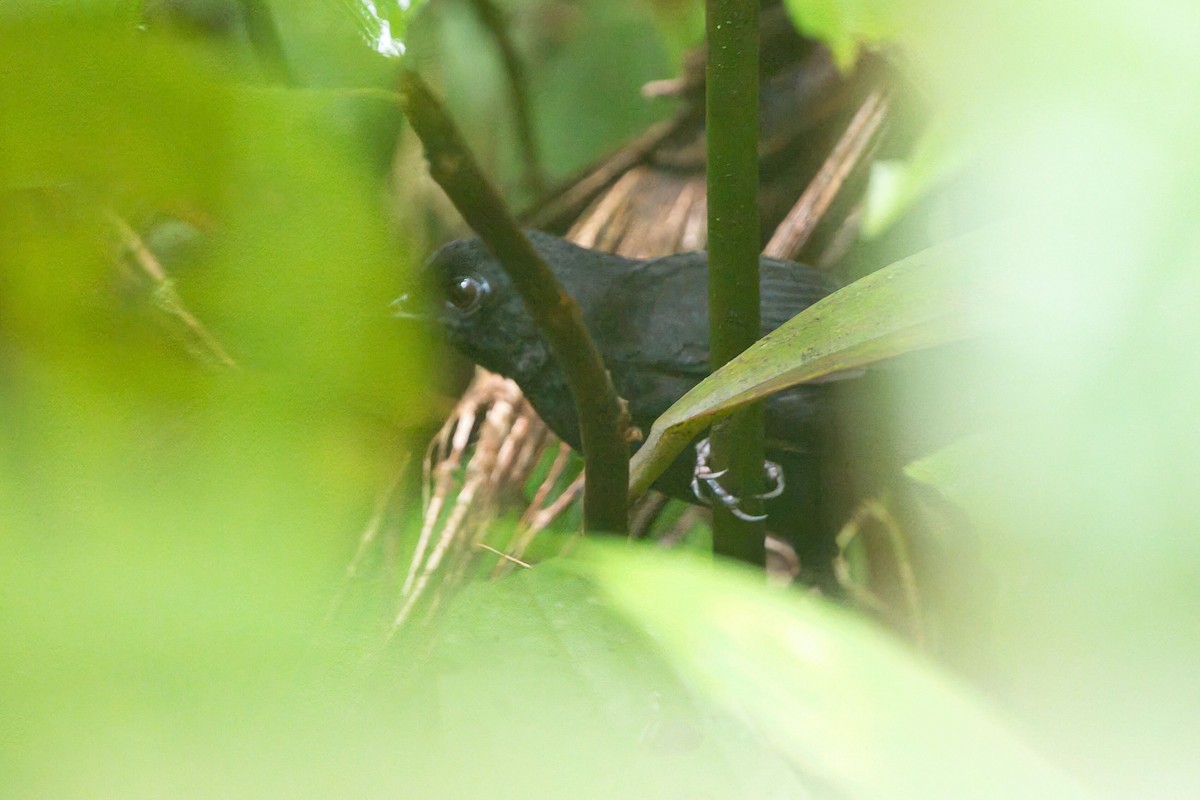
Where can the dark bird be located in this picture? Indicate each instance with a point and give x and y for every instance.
(649, 320)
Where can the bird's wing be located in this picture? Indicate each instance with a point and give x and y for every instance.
(653, 329)
(787, 288)
(656, 316)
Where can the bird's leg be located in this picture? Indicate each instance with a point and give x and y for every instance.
(706, 483)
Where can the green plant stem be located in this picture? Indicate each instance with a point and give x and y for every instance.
(603, 420)
(733, 251)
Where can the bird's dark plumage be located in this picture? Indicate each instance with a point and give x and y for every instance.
(649, 320)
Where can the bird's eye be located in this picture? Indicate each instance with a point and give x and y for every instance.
(466, 293)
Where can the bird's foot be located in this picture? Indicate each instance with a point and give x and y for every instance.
(706, 484)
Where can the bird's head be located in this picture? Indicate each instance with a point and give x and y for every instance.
(465, 293)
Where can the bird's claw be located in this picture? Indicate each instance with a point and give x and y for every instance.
(706, 484)
(774, 474)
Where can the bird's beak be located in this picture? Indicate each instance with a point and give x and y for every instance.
(408, 306)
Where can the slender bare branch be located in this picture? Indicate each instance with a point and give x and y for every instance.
(603, 420)
(164, 289)
(854, 146)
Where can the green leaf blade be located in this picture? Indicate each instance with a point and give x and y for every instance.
(925, 300)
(694, 677)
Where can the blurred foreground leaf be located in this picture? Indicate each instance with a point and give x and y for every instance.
(636, 673)
(843, 25)
(170, 532)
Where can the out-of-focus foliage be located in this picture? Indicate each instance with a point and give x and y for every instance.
(171, 529)
(681, 23)
(939, 155)
(383, 26)
(628, 672)
(82, 11)
(1082, 489)
(846, 26)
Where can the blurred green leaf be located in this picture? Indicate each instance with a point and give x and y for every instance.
(301, 268)
(170, 532)
(844, 25)
(75, 10)
(938, 156)
(687, 677)
(681, 24)
(1085, 498)
(383, 25)
(539, 670)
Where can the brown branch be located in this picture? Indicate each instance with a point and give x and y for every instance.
(603, 420)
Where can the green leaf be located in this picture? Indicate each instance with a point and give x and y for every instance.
(169, 532)
(922, 301)
(553, 692)
(383, 25)
(681, 26)
(631, 672)
(844, 25)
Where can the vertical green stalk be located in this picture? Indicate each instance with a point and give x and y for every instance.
(733, 251)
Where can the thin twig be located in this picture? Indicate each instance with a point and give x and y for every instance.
(860, 593)
(783, 565)
(479, 494)
(877, 510)
(164, 288)
(646, 511)
(534, 446)
(855, 144)
(588, 233)
(544, 516)
(691, 516)
(449, 540)
(561, 459)
(557, 211)
(527, 527)
(443, 482)
(505, 556)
